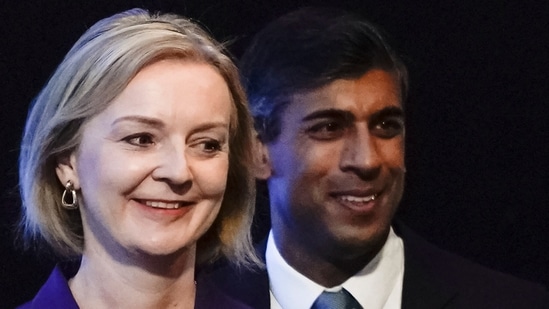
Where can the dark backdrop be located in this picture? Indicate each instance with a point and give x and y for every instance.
(477, 154)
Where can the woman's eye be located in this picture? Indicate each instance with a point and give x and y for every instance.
(211, 146)
(206, 147)
(326, 130)
(140, 140)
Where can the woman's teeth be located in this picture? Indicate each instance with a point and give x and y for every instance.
(163, 205)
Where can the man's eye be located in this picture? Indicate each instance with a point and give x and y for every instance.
(389, 128)
(326, 130)
(140, 140)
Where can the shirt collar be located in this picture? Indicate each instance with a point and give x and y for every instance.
(378, 283)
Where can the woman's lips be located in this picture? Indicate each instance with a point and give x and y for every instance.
(164, 204)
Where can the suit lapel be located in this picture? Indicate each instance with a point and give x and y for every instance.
(424, 285)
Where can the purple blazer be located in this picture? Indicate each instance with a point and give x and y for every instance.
(55, 293)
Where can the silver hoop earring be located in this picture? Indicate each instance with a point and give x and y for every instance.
(69, 202)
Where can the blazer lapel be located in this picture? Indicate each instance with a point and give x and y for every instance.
(424, 286)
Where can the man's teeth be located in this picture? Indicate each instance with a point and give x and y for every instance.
(162, 205)
(356, 199)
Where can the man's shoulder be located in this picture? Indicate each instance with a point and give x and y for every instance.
(433, 273)
(225, 273)
(249, 285)
(211, 293)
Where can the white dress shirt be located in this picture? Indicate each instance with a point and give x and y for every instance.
(377, 286)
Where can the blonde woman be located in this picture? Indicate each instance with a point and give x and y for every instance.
(134, 167)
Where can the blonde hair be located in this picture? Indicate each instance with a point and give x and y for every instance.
(97, 68)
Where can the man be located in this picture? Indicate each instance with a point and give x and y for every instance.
(327, 95)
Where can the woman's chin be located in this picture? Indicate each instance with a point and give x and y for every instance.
(168, 250)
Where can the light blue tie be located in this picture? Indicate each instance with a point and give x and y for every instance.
(336, 300)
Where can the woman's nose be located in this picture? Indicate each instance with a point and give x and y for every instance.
(173, 166)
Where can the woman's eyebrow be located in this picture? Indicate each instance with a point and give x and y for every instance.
(214, 125)
(140, 119)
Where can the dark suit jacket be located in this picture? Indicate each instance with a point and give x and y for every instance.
(433, 279)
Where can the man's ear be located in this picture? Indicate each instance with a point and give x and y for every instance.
(262, 162)
(66, 170)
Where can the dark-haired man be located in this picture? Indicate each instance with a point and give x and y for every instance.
(327, 95)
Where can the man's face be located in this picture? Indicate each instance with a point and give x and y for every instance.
(337, 167)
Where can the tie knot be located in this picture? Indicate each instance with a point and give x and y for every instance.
(336, 300)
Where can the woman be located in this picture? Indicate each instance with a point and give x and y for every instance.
(134, 165)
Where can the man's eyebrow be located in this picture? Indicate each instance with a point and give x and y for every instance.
(140, 119)
(389, 111)
(330, 113)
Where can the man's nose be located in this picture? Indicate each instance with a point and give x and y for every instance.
(360, 154)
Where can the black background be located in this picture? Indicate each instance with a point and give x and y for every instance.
(477, 129)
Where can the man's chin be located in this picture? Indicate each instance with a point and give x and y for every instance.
(366, 240)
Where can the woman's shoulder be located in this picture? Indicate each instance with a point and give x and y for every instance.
(55, 293)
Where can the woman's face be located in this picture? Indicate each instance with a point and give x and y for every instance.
(152, 167)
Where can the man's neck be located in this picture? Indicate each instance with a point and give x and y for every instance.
(328, 266)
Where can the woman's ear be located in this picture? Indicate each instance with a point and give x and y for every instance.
(66, 170)
(262, 162)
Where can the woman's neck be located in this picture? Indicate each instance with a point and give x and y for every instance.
(140, 281)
